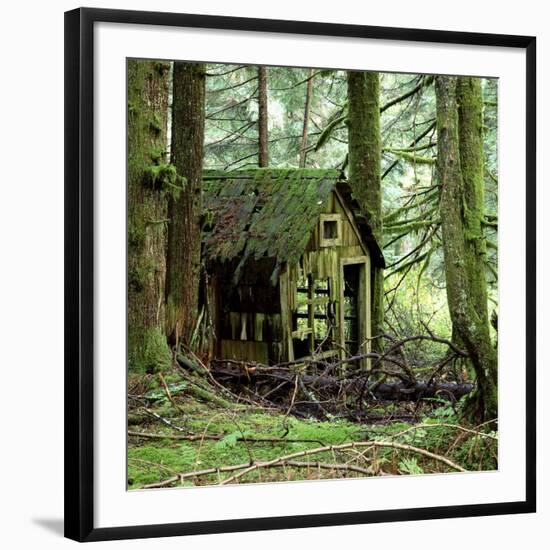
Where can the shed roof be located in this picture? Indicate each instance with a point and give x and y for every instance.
(268, 212)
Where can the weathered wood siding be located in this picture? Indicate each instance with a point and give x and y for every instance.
(326, 262)
(249, 314)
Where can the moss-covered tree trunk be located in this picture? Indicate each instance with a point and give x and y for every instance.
(185, 206)
(147, 124)
(263, 157)
(459, 203)
(470, 135)
(364, 172)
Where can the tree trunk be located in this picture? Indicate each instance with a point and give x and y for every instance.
(263, 159)
(185, 204)
(307, 103)
(364, 172)
(462, 268)
(470, 135)
(147, 125)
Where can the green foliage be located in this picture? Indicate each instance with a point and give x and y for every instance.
(418, 297)
(159, 395)
(445, 413)
(230, 440)
(410, 466)
(160, 176)
(163, 176)
(155, 124)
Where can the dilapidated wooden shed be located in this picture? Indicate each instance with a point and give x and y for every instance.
(288, 258)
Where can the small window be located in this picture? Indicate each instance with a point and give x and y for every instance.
(330, 229)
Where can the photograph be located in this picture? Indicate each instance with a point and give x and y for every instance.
(279, 272)
(312, 274)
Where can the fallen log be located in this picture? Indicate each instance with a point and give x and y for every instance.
(399, 391)
(387, 391)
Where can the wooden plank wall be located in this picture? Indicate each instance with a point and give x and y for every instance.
(327, 263)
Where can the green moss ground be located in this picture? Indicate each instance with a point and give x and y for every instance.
(154, 460)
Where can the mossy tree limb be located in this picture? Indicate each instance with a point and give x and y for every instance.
(305, 127)
(263, 155)
(468, 316)
(364, 171)
(184, 209)
(147, 124)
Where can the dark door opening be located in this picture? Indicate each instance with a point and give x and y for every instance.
(352, 278)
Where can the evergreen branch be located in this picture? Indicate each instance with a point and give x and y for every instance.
(412, 144)
(426, 81)
(226, 72)
(238, 85)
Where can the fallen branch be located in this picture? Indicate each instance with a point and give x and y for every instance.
(163, 420)
(287, 460)
(399, 391)
(408, 375)
(289, 463)
(445, 425)
(344, 446)
(199, 437)
(212, 379)
(169, 394)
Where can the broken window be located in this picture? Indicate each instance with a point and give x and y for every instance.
(313, 320)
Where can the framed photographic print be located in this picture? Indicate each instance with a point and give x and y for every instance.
(300, 274)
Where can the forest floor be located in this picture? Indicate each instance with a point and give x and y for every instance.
(186, 430)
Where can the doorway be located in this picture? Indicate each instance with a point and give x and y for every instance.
(355, 307)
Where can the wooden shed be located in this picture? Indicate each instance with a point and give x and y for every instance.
(289, 260)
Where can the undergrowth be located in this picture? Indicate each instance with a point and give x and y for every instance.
(245, 435)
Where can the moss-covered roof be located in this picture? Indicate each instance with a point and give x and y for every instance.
(265, 212)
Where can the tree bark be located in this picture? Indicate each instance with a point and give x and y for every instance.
(305, 128)
(185, 207)
(263, 159)
(147, 125)
(462, 269)
(364, 172)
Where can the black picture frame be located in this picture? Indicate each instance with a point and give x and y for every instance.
(79, 272)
